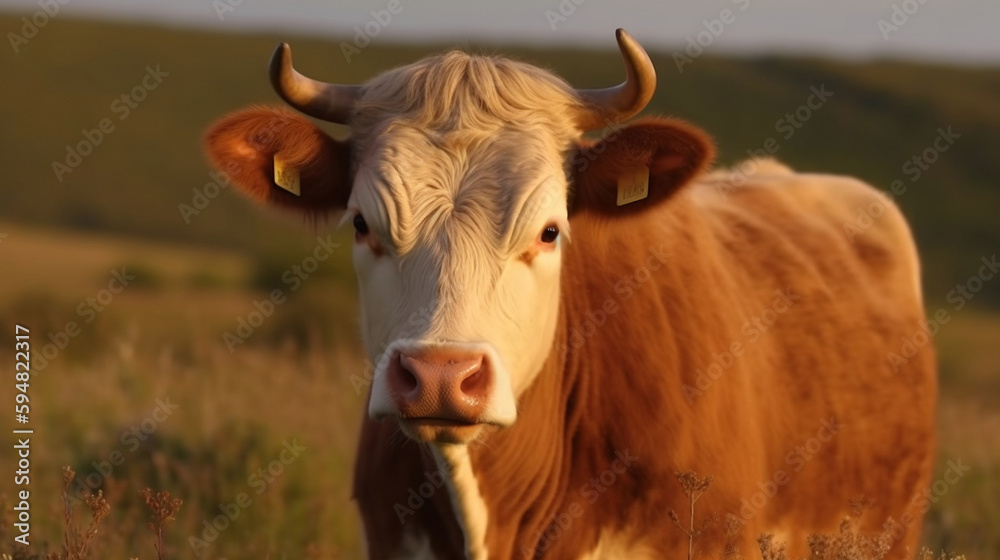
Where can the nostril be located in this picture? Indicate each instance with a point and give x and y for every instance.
(476, 384)
(402, 377)
(406, 381)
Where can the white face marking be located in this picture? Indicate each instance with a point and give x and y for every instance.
(454, 253)
(470, 508)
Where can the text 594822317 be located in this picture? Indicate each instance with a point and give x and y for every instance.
(22, 445)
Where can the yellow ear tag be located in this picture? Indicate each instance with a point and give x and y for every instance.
(633, 186)
(286, 177)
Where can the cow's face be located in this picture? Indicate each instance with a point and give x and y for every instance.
(457, 251)
(459, 209)
(456, 182)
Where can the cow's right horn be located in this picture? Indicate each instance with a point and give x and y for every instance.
(328, 102)
(611, 105)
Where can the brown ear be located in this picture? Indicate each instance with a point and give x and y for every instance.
(244, 145)
(673, 151)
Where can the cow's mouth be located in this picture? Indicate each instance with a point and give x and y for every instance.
(441, 430)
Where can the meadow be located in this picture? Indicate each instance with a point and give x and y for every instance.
(150, 393)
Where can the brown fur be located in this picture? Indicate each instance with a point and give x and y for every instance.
(627, 387)
(245, 143)
(673, 150)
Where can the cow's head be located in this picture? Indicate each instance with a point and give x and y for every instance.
(461, 179)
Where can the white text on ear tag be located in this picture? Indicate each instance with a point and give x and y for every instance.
(633, 186)
(286, 177)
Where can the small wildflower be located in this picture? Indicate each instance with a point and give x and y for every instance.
(164, 508)
(693, 487)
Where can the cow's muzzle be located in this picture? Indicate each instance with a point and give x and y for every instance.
(440, 384)
(442, 392)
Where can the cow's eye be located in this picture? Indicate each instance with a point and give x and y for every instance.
(550, 234)
(360, 225)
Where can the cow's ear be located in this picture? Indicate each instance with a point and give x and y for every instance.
(249, 144)
(609, 176)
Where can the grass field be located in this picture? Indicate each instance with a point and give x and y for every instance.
(159, 340)
(108, 391)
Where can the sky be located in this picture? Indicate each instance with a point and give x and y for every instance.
(963, 31)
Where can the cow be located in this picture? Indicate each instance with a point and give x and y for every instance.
(559, 323)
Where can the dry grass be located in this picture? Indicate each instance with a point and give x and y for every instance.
(163, 509)
(848, 543)
(233, 418)
(79, 541)
(694, 488)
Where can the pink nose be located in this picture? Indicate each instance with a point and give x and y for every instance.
(440, 384)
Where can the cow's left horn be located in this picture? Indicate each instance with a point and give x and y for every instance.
(328, 102)
(611, 105)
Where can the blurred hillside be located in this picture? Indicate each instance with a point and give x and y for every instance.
(68, 78)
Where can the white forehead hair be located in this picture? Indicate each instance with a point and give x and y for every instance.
(456, 92)
(497, 187)
(463, 143)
